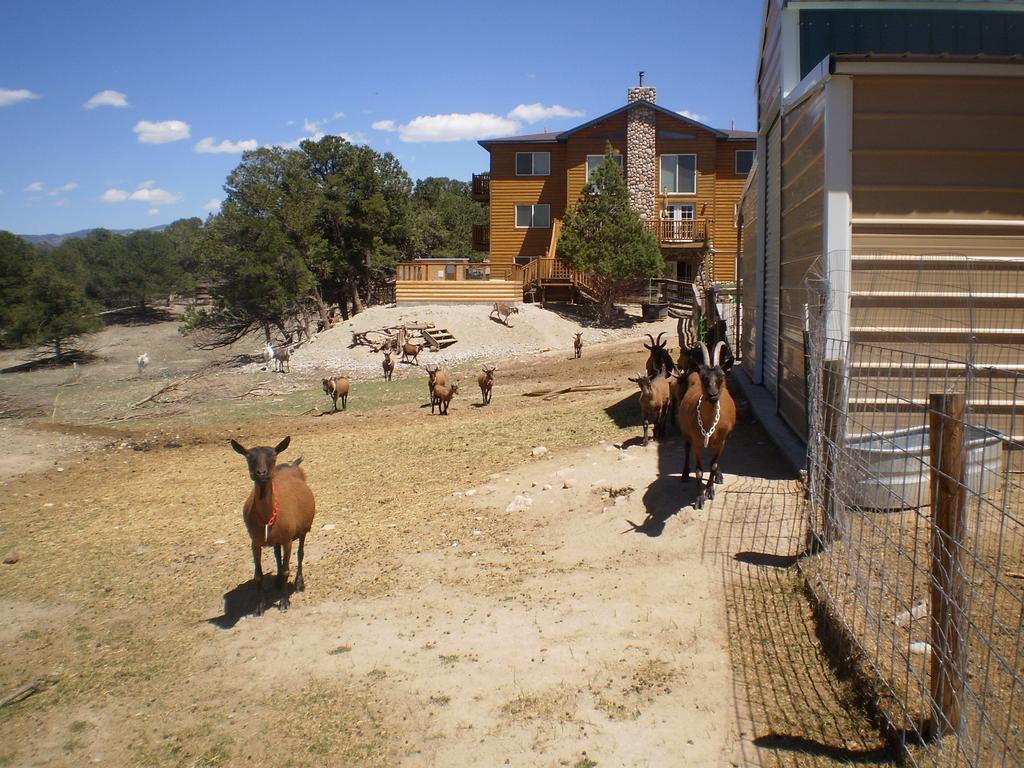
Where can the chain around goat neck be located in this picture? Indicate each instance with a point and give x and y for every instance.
(714, 425)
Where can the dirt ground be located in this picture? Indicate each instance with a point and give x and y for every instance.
(468, 602)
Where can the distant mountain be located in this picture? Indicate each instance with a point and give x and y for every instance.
(55, 240)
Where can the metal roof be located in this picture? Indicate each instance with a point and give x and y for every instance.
(556, 137)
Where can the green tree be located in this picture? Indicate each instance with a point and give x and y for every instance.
(603, 236)
(16, 259)
(444, 213)
(53, 310)
(257, 273)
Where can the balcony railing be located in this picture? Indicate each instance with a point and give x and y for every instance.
(482, 187)
(481, 237)
(442, 269)
(678, 231)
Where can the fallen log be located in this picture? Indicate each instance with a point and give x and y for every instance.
(549, 393)
(35, 685)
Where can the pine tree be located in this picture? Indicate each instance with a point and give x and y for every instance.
(603, 236)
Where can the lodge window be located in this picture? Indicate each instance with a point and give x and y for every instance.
(533, 216)
(678, 175)
(744, 161)
(533, 163)
(593, 161)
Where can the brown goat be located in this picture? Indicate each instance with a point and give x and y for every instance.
(434, 376)
(504, 311)
(443, 397)
(707, 415)
(279, 510)
(655, 402)
(389, 366)
(577, 344)
(337, 387)
(411, 350)
(486, 381)
(659, 360)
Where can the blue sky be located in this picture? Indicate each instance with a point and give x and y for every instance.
(106, 108)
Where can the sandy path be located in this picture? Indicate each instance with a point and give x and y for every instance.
(605, 643)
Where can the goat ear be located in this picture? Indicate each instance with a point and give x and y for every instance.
(279, 448)
(238, 448)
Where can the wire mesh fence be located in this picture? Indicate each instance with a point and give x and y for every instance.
(916, 494)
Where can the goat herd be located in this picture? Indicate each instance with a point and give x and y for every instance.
(692, 389)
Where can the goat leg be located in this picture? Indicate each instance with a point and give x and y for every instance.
(277, 557)
(282, 575)
(344, 402)
(257, 557)
(645, 432)
(300, 584)
(699, 503)
(686, 461)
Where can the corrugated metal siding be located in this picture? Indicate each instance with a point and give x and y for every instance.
(803, 210)
(769, 80)
(749, 271)
(772, 246)
(949, 147)
(927, 149)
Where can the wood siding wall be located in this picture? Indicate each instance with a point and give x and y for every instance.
(728, 189)
(802, 238)
(718, 187)
(938, 147)
(508, 190)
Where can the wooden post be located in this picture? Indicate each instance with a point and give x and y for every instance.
(946, 445)
(833, 428)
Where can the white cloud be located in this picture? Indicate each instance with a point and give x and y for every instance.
(312, 126)
(153, 211)
(225, 146)
(213, 204)
(338, 115)
(106, 99)
(10, 96)
(146, 192)
(290, 122)
(162, 132)
(693, 115)
(452, 127)
(69, 187)
(532, 113)
(35, 186)
(61, 203)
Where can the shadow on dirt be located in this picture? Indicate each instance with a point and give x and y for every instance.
(587, 315)
(131, 316)
(241, 601)
(47, 360)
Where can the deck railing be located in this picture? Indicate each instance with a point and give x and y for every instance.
(481, 187)
(678, 230)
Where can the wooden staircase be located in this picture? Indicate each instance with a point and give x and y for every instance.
(546, 275)
(438, 338)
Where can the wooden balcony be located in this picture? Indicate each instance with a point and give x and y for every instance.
(481, 237)
(482, 187)
(679, 232)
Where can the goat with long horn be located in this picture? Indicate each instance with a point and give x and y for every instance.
(706, 416)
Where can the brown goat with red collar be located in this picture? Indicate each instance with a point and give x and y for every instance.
(706, 415)
(279, 510)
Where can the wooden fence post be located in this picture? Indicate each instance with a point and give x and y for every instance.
(832, 426)
(946, 446)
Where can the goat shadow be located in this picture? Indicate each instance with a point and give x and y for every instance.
(500, 322)
(241, 601)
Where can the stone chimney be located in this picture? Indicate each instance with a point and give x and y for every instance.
(640, 159)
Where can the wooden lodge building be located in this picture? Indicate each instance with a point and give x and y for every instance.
(684, 179)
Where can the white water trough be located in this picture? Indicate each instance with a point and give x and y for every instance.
(890, 470)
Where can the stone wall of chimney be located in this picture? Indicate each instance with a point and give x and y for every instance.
(640, 147)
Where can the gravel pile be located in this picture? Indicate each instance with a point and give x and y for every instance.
(534, 331)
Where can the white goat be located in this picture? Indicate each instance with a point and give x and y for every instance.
(142, 361)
